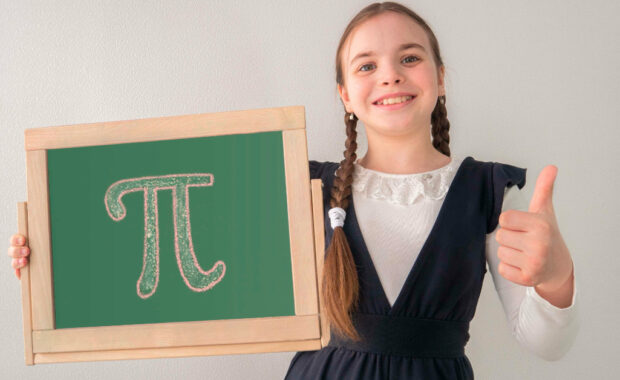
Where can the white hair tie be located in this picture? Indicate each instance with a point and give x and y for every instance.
(336, 216)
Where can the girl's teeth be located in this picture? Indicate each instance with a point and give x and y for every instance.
(399, 99)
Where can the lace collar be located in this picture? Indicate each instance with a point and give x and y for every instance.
(404, 189)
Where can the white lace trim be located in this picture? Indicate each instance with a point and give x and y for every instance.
(404, 189)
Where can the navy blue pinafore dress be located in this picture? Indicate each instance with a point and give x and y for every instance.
(423, 335)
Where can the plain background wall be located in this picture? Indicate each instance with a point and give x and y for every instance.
(529, 83)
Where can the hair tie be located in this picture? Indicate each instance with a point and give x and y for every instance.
(337, 215)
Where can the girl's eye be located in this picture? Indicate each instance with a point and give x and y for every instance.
(406, 60)
(411, 56)
(368, 64)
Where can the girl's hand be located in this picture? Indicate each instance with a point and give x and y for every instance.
(19, 251)
(532, 251)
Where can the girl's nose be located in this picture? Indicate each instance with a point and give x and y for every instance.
(397, 80)
(392, 75)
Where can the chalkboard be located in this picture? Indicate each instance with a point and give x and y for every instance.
(168, 233)
(107, 272)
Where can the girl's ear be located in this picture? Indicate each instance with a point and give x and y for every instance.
(440, 80)
(344, 95)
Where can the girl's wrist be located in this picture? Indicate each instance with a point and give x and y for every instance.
(561, 296)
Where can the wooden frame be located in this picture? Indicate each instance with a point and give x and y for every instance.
(45, 344)
(319, 243)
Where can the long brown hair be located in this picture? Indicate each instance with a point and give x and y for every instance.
(340, 286)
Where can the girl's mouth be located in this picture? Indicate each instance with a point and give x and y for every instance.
(395, 103)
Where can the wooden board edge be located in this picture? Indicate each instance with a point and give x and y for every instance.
(319, 244)
(300, 221)
(176, 334)
(22, 228)
(40, 263)
(159, 128)
(176, 352)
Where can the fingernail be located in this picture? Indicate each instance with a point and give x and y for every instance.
(24, 251)
(20, 241)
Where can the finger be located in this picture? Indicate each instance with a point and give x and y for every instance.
(19, 263)
(510, 273)
(517, 220)
(18, 274)
(511, 239)
(542, 199)
(18, 252)
(512, 257)
(18, 239)
(14, 252)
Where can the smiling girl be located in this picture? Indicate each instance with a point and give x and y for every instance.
(410, 228)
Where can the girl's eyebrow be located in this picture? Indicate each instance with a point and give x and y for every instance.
(402, 47)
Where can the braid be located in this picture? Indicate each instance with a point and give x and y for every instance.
(441, 127)
(340, 285)
(344, 178)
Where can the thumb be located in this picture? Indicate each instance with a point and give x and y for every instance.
(542, 198)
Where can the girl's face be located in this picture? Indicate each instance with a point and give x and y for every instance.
(388, 57)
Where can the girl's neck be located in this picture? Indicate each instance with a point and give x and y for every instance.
(404, 164)
(402, 150)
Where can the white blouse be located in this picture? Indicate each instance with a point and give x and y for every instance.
(383, 201)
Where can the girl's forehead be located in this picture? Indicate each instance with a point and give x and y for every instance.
(382, 33)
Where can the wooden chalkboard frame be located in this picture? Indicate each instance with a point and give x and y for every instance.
(44, 343)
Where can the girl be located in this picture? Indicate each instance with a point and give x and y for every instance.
(404, 266)
(407, 226)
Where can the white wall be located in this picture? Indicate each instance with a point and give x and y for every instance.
(530, 83)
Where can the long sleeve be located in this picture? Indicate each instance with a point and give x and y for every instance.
(540, 327)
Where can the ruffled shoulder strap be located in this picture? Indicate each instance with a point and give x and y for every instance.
(503, 175)
(316, 168)
(321, 169)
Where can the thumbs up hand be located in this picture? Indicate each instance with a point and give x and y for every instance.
(531, 249)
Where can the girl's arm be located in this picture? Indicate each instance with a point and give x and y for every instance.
(542, 328)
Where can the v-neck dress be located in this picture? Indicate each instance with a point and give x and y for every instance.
(424, 333)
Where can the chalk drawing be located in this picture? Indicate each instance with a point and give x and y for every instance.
(196, 278)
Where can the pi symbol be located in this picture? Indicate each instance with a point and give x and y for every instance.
(196, 278)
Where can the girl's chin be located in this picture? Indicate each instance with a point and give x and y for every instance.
(395, 122)
(403, 120)
(393, 130)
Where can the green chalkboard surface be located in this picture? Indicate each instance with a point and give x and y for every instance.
(170, 231)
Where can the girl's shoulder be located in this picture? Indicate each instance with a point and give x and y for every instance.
(500, 173)
(504, 174)
(499, 176)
